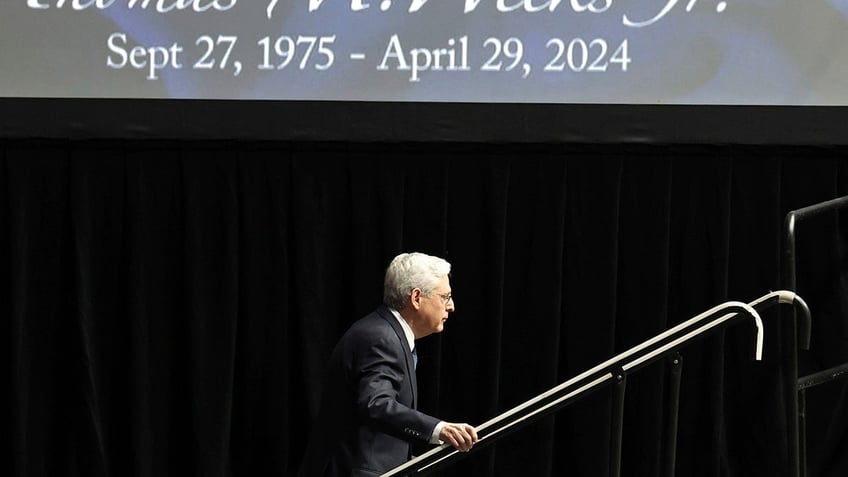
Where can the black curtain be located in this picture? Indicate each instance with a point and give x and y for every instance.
(169, 305)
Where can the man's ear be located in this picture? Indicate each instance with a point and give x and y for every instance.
(415, 298)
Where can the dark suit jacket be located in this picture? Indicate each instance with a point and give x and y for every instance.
(368, 415)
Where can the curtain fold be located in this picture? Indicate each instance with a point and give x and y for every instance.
(168, 307)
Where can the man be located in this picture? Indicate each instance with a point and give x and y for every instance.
(368, 417)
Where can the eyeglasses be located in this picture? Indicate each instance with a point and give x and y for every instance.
(446, 297)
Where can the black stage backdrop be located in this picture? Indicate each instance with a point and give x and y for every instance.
(169, 305)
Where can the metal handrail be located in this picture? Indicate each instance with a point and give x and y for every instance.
(579, 386)
(795, 398)
(823, 377)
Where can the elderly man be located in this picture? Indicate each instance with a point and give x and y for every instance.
(368, 417)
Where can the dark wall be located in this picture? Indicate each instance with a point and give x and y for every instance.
(169, 304)
(358, 121)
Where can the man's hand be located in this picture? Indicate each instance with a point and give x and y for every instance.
(461, 436)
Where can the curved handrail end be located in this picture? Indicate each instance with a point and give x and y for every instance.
(806, 323)
(758, 323)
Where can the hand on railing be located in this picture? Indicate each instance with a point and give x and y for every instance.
(461, 436)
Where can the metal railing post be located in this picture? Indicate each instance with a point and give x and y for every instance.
(617, 431)
(675, 373)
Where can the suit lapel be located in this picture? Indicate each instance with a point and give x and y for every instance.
(387, 315)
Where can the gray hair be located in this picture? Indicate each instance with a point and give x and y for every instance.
(409, 271)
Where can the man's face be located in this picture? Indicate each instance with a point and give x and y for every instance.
(433, 310)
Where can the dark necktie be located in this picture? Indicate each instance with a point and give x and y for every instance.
(415, 358)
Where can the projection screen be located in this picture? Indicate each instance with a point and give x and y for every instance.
(733, 52)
